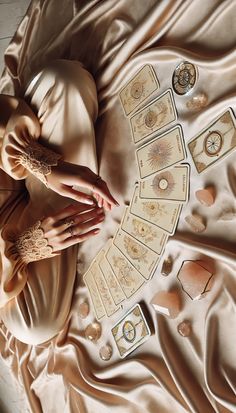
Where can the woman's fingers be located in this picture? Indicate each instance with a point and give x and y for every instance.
(71, 221)
(90, 180)
(79, 238)
(69, 192)
(72, 210)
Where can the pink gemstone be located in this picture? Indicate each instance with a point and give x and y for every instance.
(93, 331)
(83, 310)
(195, 222)
(167, 303)
(184, 328)
(206, 196)
(195, 279)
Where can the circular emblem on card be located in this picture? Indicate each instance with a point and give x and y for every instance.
(213, 143)
(150, 119)
(136, 90)
(184, 78)
(163, 184)
(129, 331)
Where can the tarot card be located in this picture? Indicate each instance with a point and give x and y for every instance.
(140, 256)
(172, 185)
(214, 142)
(111, 280)
(139, 88)
(163, 214)
(103, 290)
(128, 277)
(94, 294)
(154, 116)
(161, 153)
(131, 331)
(145, 232)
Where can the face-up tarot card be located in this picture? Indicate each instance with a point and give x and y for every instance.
(154, 116)
(139, 88)
(145, 232)
(171, 184)
(131, 331)
(214, 142)
(164, 214)
(128, 277)
(161, 153)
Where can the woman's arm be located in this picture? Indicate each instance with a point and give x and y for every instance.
(44, 239)
(21, 154)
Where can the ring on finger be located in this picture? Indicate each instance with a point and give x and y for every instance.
(69, 222)
(71, 231)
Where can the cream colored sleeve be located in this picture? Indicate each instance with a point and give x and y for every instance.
(21, 152)
(16, 252)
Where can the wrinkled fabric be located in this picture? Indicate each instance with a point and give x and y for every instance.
(112, 40)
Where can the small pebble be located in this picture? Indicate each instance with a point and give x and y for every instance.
(105, 352)
(93, 332)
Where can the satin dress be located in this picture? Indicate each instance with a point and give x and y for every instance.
(35, 299)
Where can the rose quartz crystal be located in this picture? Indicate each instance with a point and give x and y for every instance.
(195, 280)
(206, 196)
(83, 310)
(184, 328)
(167, 303)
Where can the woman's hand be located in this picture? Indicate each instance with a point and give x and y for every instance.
(66, 175)
(72, 225)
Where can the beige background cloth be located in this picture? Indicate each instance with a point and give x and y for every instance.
(113, 39)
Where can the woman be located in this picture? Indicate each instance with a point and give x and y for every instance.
(48, 140)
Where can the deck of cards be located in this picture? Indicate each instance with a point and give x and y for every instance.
(129, 260)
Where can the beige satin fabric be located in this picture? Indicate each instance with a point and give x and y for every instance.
(113, 39)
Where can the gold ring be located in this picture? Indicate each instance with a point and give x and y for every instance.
(69, 222)
(70, 230)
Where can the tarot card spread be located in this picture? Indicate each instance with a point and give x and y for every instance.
(140, 256)
(154, 116)
(128, 277)
(163, 214)
(104, 292)
(131, 331)
(215, 142)
(145, 232)
(139, 88)
(161, 153)
(172, 185)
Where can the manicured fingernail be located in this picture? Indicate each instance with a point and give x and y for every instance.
(89, 202)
